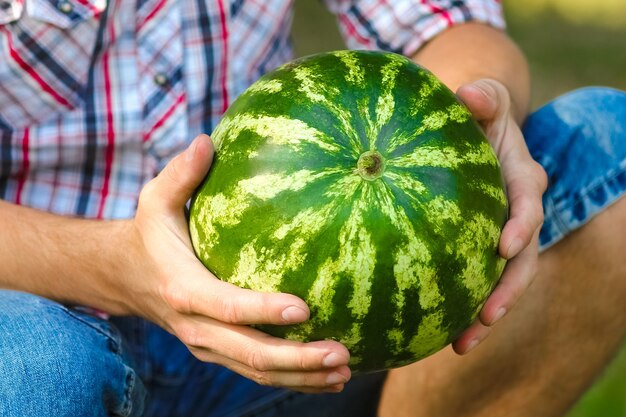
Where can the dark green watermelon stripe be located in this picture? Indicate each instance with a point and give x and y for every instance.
(406, 258)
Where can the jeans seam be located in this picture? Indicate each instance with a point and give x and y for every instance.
(555, 216)
(114, 345)
(131, 378)
(579, 199)
(563, 226)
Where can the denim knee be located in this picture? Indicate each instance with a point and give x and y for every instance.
(61, 362)
(580, 140)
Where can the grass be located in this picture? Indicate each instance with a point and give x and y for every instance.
(607, 398)
(562, 56)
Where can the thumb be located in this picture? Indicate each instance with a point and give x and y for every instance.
(175, 184)
(485, 98)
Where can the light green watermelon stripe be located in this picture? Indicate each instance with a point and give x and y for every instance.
(356, 259)
(432, 122)
(412, 259)
(431, 335)
(227, 208)
(406, 182)
(355, 72)
(445, 157)
(493, 191)
(264, 86)
(477, 233)
(428, 87)
(263, 268)
(385, 105)
(316, 90)
(264, 262)
(365, 97)
(276, 130)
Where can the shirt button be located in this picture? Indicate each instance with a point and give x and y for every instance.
(65, 7)
(160, 79)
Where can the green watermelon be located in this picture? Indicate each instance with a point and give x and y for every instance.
(358, 182)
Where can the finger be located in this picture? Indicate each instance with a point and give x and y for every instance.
(484, 98)
(525, 189)
(471, 338)
(517, 277)
(326, 390)
(306, 381)
(175, 184)
(258, 350)
(201, 293)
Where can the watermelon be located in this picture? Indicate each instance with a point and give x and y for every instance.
(357, 181)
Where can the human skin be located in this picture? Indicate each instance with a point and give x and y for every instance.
(490, 74)
(146, 267)
(543, 355)
(565, 329)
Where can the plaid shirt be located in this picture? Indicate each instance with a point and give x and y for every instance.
(97, 95)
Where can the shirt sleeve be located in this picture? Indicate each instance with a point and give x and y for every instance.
(403, 26)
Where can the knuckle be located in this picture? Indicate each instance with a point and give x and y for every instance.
(262, 378)
(189, 335)
(177, 297)
(203, 354)
(258, 360)
(147, 192)
(175, 175)
(541, 175)
(540, 217)
(228, 311)
(171, 172)
(537, 217)
(303, 363)
(312, 380)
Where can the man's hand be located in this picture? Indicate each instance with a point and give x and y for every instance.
(490, 103)
(211, 316)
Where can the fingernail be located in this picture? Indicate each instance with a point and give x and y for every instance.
(293, 314)
(335, 388)
(335, 378)
(514, 248)
(499, 314)
(333, 360)
(191, 151)
(471, 345)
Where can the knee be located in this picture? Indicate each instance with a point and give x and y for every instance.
(602, 109)
(580, 140)
(55, 362)
(589, 97)
(597, 113)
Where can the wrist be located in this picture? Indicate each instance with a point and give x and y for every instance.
(117, 271)
(101, 257)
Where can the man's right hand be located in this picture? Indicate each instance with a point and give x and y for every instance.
(168, 285)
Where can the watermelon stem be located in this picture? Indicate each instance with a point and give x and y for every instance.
(370, 165)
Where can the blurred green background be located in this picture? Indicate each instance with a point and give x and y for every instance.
(569, 44)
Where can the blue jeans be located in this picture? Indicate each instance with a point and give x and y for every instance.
(58, 361)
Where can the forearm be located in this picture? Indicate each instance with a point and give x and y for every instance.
(73, 261)
(469, 52)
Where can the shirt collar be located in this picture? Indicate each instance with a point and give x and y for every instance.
(61, 13)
